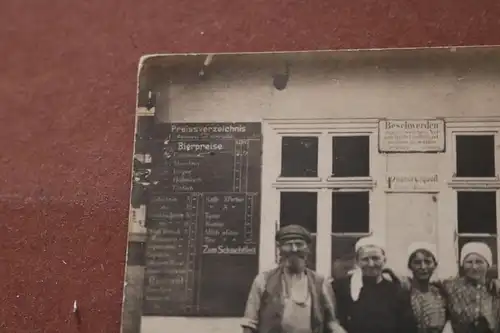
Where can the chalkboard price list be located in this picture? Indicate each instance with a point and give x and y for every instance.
(171, 252)
(203, 218)
(227, 221)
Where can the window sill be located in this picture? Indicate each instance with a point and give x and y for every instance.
(474, 183)
(479, 235)
(351, 182)
(351, 234)
(298, 180)
(330, 183)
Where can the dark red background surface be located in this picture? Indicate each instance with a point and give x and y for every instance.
(67, 97)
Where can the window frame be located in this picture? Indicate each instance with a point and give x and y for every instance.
(323, 185)
(448, 227)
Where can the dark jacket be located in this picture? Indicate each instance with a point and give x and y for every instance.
(381, 308)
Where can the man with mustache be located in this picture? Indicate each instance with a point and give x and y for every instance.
(291, 298)
(366, 301)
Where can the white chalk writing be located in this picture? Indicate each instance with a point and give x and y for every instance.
(176, 128)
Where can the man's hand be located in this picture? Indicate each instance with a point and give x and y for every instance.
(336, 328)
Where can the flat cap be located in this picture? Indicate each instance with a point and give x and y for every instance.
(293, 231)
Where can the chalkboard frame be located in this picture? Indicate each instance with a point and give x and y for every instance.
(195, 154)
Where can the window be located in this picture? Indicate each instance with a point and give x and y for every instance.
(477, 219)
(476, 212)
(350, 221)
(324, 181)
(475, 155)
(351, 156)
(475, 183)
(350, 212)
(299, 156)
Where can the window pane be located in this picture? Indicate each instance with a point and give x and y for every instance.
(475, 155)
(350, 212)
(476, 212)
(343, 256)
(491, 242)
(351, 156)
(300, 208)
(299, 156)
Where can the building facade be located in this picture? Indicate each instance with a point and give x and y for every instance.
(399, 144)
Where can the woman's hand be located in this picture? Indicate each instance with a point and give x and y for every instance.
(494, 286)
(390, 273)
(403, 281)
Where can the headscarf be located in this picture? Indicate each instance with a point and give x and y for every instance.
(369, 241)
(293, 231)
(357, 274)
(417, 246)
(477, 248)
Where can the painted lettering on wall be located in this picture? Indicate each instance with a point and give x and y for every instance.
(412, 182)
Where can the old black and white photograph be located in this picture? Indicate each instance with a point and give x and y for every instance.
(316, 192)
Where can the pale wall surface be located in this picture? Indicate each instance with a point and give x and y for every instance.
(371, 94)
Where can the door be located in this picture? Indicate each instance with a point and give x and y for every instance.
(411, 217)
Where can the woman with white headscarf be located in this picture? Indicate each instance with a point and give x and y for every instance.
(366, 301)
(472, 304)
